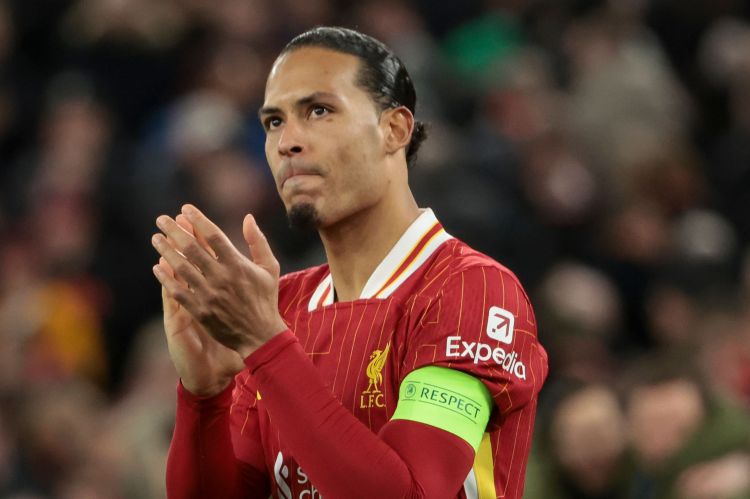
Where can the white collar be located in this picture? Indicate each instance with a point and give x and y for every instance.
(416, 245)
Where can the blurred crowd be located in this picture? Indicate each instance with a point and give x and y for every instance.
(599, 148)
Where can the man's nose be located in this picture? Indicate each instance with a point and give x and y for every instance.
(290, 139)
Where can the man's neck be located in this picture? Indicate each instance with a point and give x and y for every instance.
(356, 246)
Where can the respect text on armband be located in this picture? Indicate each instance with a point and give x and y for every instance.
(418, 391)
(482, 352)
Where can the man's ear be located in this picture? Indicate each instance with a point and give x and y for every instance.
(398, 125)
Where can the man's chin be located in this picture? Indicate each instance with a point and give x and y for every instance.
(304, 216)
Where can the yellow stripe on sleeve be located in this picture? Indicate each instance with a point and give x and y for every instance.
(484, 469)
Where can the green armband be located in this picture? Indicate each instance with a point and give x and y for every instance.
(447, 399)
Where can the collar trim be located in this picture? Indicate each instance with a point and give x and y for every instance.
(423, 237)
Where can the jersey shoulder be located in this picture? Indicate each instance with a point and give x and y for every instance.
(456, 260)
(480, 321)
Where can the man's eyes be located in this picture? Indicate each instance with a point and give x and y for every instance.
(315, 111)
(272, 122)
(319, 110)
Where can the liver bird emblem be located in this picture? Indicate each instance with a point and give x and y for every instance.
(375, 368)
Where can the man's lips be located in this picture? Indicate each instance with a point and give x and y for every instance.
(295, 179)
(293, 172)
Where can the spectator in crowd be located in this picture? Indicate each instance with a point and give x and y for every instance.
(585, 448)
(686, 440)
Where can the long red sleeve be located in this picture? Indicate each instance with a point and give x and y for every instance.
(201, 461)
(343, 458)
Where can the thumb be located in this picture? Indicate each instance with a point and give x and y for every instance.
(260, 251)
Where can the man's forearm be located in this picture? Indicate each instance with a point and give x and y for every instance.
(201, 461)
(340, 454)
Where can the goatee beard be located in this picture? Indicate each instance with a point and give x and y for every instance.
(304, 217)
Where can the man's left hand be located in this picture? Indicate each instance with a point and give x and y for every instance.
(233, 297)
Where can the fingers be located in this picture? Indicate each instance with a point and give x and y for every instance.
(209, 232)
(180, 265)
(170, 304)
(260, 251)
(174, 293)
(183, 222)
(186, 244)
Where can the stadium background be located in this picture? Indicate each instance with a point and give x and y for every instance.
(600, 149)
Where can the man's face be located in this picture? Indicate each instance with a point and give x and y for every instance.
(324, 140)
(662, 417)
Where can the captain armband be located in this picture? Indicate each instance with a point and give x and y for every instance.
(447, 399)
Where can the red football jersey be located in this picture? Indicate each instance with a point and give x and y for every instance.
(431, 301)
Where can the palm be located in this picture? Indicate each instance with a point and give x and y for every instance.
(204, 365)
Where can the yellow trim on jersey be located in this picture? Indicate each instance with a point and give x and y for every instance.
(416, 260)
(484, 469)
(386, 278)
(409, 253)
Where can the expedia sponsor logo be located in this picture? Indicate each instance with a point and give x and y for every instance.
(435, 395)
(500, 325)
(481, 352)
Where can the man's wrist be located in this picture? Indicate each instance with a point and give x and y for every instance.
(269, 351)
(247, 349)
(205, 397)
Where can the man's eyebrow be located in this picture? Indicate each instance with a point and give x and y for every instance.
(301, 102)
(266, 110)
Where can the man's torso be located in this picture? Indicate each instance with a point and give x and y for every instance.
(364, 348)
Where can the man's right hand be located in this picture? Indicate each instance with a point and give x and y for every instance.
(205, 366)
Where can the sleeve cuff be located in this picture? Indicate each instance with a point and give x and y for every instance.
(270, 350)
(221, 399)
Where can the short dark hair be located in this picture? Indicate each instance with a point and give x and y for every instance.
(662, 367)
(381, 74)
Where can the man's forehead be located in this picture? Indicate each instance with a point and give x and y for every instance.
(308, 70)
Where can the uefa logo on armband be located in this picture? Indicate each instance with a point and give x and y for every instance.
(500, 325)
(411, 390)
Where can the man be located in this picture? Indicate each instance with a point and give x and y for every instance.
(687, 441)
(407, 366)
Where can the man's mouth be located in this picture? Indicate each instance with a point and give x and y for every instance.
(297, 178)
(297, 174)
